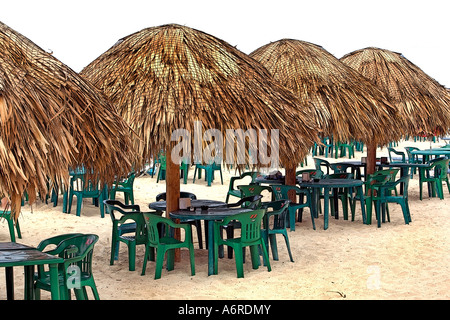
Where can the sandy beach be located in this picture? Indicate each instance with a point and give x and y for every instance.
(349, 260)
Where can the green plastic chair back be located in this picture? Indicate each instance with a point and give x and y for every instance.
(76, 270)
(209, 171)
(125, 186)
(6, 214)
(439, 169)
(165, 243)
(128, 228)
(274, 222)
(281, 192)
(254, 190)
(412, 158)
(401, 199)
(82, 189)
(319, 163)
(162, 167)
(250, 237)
(231, 187)
(392, 159)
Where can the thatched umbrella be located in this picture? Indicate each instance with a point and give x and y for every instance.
(52, 119)
(422, 101)
(165, 78)
(347, 104)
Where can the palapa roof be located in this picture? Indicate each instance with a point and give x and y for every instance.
(165, 78)
(348, 105)
(423, 102)
(52, 119)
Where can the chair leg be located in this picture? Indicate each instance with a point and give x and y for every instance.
(239, 262)
(192, 260)
(286, 239)
(79, 204)
(198, 226)
(266, 256)
(12, 233)
(273, 246)
(131, 256)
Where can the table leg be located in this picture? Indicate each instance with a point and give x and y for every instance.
(363, 206)
(210, 247)
(326, 200)
(54, 281)
(336, 203)
(29, 292)
(9, 273)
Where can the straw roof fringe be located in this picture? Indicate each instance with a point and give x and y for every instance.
(52, 119)
(165, 78)
(348, 106)
(423, 102)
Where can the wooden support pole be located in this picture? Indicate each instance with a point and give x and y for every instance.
(172, 192)
(371, 158)
(290, 180)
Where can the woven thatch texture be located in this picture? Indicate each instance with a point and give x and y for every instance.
(165, 78)
(423, 102)
(347, 104)
(52, 119)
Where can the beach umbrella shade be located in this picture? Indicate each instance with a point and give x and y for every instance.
(348, 106)
(52, 119)
(168, 77)
(422, 101)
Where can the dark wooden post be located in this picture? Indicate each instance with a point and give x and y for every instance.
(172, 191)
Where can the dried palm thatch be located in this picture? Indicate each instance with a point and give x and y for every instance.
(422, 101)
(347, 104)
(165, 78)
(52, 119)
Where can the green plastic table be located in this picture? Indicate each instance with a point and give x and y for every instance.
(15, 254)
(333, 184)
(197, 203)
(210, 215)
(431, 152)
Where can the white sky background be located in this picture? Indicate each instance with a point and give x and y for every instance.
(79, 31)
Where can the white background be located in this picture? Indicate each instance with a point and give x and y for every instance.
(79, 31)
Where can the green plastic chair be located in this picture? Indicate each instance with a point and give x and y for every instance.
(184, 168)
(125, 186)
(250, 237)
(319, 163)
(402, 199)
(372, 187)
(274, 222)
(129, 229)
(162, 167)
(343, 147)
(280, 192)
(165, 243)
(236, 192)
(325, 147)
(6, 214)
(76, 270)
(413, 158)
(399, 158)
(435, 175)
(253, 190)
(209, 172)
(82, 190)
(252, 202)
